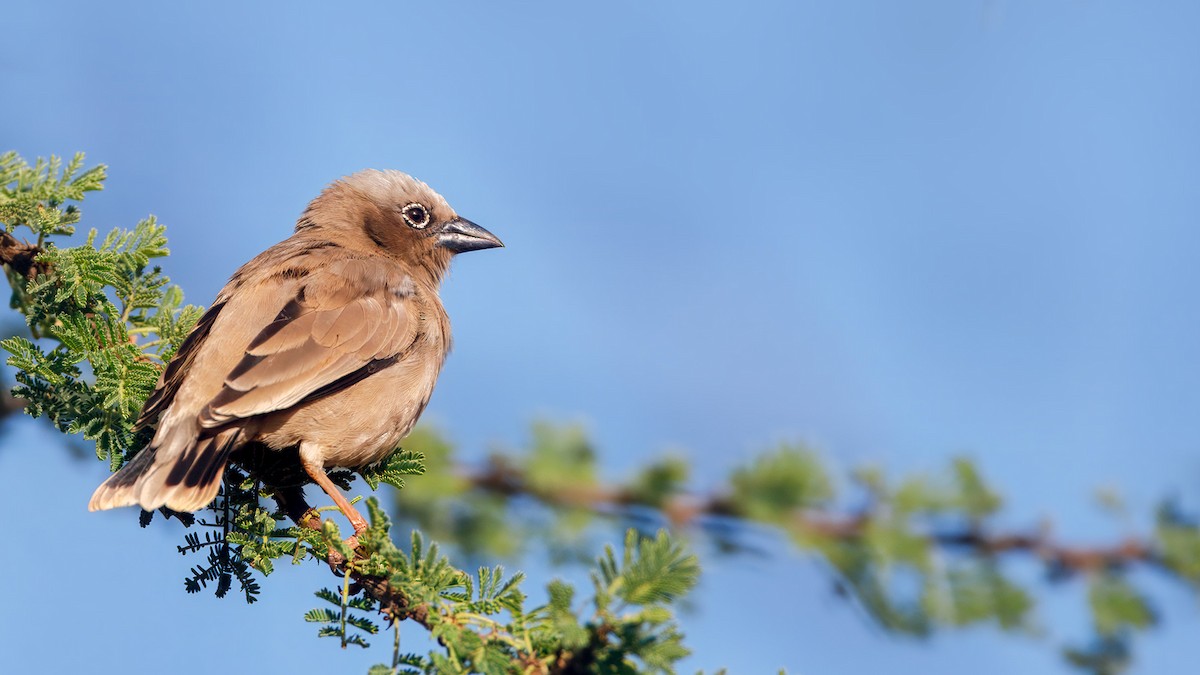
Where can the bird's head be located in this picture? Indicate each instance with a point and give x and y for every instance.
(399, 215)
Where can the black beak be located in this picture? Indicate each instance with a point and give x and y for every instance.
(460, 235)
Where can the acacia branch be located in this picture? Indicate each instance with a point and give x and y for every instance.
(392, 603)
(396, 606)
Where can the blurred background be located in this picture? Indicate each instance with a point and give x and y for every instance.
(894, 232)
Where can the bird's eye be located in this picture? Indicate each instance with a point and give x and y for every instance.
(416, 215)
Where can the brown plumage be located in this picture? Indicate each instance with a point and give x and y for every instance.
(329, 342)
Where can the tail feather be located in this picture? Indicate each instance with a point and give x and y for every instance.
(188, 481)
(118, 489)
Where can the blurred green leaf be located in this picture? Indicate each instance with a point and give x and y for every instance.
(1117, 606)
(777, 483)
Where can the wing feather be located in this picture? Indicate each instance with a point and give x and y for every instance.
(172, 376)
(293, 333)
(347, 321)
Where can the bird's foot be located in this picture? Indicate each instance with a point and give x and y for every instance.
(337, 561)
(357, 522)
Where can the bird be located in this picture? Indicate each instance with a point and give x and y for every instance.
(328, 343)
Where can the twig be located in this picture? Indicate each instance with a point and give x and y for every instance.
(18, 255)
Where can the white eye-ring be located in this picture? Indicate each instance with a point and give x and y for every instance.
(416, 215)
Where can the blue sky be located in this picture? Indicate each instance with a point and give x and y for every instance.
(896, 231)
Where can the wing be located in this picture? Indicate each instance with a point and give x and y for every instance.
(172, 376)
(348, 320)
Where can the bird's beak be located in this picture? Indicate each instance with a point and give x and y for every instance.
(461, 235)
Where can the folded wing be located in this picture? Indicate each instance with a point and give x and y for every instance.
(348, 321)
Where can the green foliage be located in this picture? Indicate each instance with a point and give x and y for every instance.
(393, 468)
(631, 604)
(1117, 606)
(977, 592)
(660, 480)
(777, 483)
(338, 624)
(652, 571)
(238, 541)
(34, 196)
(1104, 656)
(482, 621)
(1178, 537)
(559, 453)
(96, 301)
(963, 492)
(1118, 610)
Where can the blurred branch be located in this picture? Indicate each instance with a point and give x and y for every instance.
(501, 476)
(917, 553)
